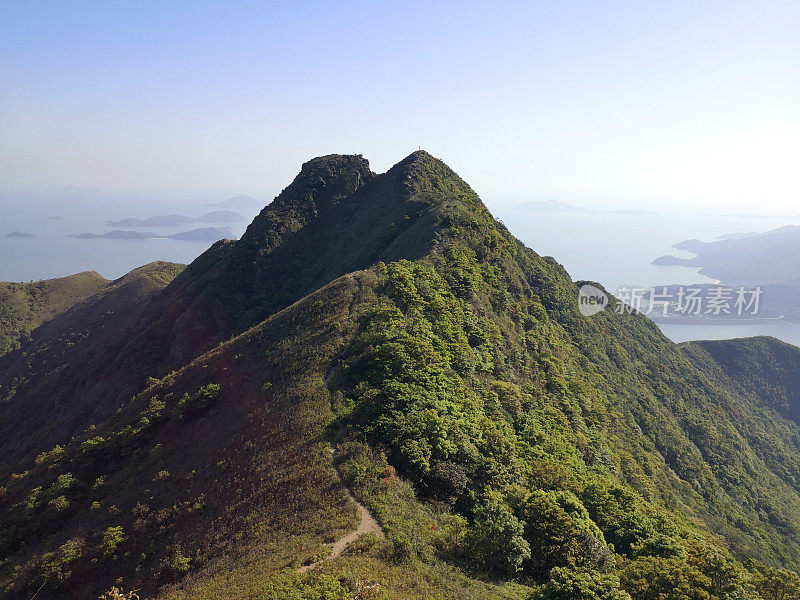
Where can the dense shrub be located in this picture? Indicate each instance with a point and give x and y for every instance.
(657, 578)
(495, 541)
(568, 584)
(560, 534)
(618, 513)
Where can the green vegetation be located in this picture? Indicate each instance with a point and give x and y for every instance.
(567, 584)
(117, 594)
(110, 539)
(53, 566)
(496, 542)
(508, 447)
(189, 406)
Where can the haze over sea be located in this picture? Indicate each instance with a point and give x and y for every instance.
(52, 253)
(613, 248)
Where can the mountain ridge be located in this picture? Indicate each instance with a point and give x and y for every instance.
(230, 287)
(505, 443)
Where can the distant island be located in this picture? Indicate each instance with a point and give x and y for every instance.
(218, 216)
(19, 234)
(114, 235)
(241, 202)
(203, 234)
(671, 261)
(736, 236)
(55, 218)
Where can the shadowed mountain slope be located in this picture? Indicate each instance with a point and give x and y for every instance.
(335, 217)
(67, 376)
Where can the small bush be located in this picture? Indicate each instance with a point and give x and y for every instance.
(59, 503)
(190, 406)
(402, 549)
(53, 566)
(177, 563)
(117, 594)
(50, 457)
(110, 539)
(63, 483)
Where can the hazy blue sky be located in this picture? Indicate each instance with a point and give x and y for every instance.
(688, 103)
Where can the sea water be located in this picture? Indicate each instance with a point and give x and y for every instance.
(52, 253)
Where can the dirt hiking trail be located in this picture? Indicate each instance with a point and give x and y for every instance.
(367, 524)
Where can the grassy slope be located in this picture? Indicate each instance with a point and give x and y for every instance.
(25, 306)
